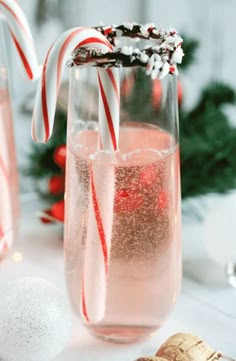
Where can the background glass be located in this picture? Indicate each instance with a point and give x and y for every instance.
(9, 202)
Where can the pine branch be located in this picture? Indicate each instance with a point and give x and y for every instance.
(208, 144)
(190, 47)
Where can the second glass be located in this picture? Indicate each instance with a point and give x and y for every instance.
(139, 196)
(9, 200)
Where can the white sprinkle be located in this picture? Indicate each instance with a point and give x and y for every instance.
(144, 29)
(144, 58)
(177, 56)
(170, 39)
(128, 26)
(156, 31)
(127, 50)
(156, 47)
(154, 73)
(136, 51)
(165, 70)
(157, 59)
(119, 33)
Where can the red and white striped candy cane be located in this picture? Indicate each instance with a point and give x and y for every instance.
(101, 202)
(21, 35)
(109, 105)
(96, 256)
(48, 88)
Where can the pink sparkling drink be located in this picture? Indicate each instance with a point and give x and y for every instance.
(9, 202)
(145, 260)
(138, 193)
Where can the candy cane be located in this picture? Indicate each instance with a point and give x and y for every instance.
(101, 202)
(47, 91)
(99, 226)
(21, 35)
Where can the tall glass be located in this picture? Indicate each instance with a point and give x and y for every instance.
(9, 202)
(142, 211)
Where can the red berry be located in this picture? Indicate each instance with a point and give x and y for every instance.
(127, 200)
(59, 156)
(56, 184)
(58, 210)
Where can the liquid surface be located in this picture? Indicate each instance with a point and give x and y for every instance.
(138, 192)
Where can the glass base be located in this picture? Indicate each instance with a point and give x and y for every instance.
(122, 334)
(231, 273)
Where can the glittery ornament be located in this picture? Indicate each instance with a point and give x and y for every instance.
(35, 322)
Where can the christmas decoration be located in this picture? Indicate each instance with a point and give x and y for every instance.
(59, 156)
(207, 139)
(185, 347)
(48, 163)
(35, 320)
(56, 184)
(57, 210)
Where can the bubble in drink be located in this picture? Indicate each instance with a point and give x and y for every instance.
(145, 256)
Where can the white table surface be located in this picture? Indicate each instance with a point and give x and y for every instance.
(206, 306)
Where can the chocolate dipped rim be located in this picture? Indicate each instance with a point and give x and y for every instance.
(160, 56)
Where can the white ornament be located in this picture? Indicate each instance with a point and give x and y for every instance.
(35, 321)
